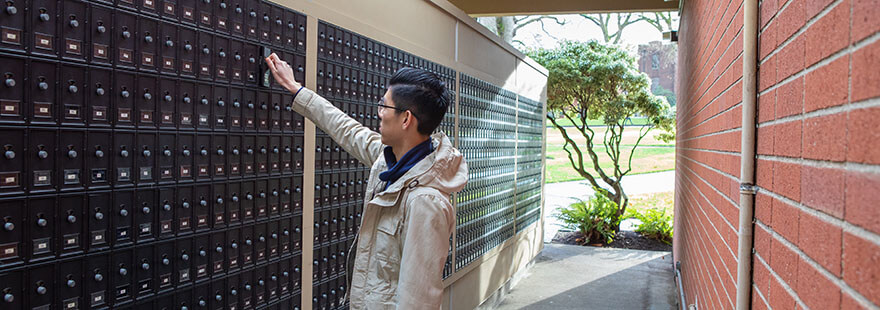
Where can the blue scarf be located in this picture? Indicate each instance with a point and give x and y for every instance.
(398, 168)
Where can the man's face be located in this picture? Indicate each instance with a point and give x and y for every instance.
(391, 121)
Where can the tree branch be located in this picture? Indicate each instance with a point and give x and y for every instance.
(578, 167)
(642, 134)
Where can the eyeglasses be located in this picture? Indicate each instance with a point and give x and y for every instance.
(381, 107)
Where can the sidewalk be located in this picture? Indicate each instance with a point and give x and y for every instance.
(558, 195)
(576, 277)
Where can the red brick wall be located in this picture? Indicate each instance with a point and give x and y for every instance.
(817, 211)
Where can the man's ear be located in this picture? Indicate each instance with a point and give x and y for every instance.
(409, 120)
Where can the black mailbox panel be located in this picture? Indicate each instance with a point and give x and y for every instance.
(165, 207)
(42, 27)
(145, 266)
(144, 166)
(145, 211)
(202, 207)
(121, 216)
(99, 94)
(97, 281)
(42, 92)
(205, 53)
(149, 7)
(187, 51)
(168, 98)
(183, 214)
(73, 29)
(148, 43)
(122, 275)
(165, 153)
(124, 152)
(125, 89)
(69, 284)
(237, 15)
(183, 261)
(40, 282)
(186, 151)
(125, 39)
(169, 10)
(13, 106)
(186, 103)
(13, 28)
(42, 160)
(222, 56)
(168, 46)
(221, 105)
(235, 109)
(101, 34)
(71, 155)
(146, 154)
(165, 262)
(147, 94)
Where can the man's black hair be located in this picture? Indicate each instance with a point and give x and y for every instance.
(423, 94)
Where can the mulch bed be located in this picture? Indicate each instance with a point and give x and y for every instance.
(623, 240)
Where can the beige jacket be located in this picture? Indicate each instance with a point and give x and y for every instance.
(404, 234)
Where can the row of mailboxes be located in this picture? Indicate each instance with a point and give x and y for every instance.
(471, 251)
(530, 129)
(487, 205)
(331, 259)
(530, 116)
(337, 223)
(50, 93)
(480, 145)
(528, 204)
(329, 156)
(474, 206)
(472, 117)
(351, 49)
(344, 82)
(486, 91)
(132, 277)
(203, 297)
(336, 188)
(448, 124)
(486, 226)
(99, 33)
(47, 227)
(46, 160)
(487, 168)
(476, 109)
(365, 113)
(330, 294)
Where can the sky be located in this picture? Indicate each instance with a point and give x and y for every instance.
(581, 29)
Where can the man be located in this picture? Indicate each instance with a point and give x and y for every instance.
(407, 220)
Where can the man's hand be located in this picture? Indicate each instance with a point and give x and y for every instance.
(282, 72)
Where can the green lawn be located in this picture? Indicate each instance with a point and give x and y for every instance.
(652, 155)
(662, 200)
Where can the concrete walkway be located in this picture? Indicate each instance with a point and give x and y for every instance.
(575, 277)
(558, 195)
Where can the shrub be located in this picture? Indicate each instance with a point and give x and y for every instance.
(656, 224)
(593, 218)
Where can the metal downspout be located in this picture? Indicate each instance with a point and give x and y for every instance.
(747, 159)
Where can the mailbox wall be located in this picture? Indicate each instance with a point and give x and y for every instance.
(151, 162)
(147, 162)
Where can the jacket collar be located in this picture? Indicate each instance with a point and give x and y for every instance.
(412, 178)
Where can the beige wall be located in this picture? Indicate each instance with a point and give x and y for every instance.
(438, 31)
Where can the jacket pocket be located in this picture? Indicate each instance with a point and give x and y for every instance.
(388, 222)
(387, 243)
(387, 253)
